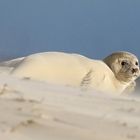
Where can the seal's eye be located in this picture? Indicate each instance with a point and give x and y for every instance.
(137, 63)
(124, 63)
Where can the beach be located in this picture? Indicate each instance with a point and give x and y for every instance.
(33, 110)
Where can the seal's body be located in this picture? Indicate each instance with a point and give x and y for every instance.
(71, 70)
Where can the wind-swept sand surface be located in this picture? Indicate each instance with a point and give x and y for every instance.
(34, 110)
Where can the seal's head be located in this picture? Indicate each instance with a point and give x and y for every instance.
(124, 65)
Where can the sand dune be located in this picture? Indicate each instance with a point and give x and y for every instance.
(33, 110)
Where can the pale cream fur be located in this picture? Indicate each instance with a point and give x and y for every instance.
(71, 70)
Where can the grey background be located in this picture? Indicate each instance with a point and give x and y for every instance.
(93, 28)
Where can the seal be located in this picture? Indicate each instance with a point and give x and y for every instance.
(111, 75)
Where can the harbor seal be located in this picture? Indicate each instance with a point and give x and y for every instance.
(111, 75)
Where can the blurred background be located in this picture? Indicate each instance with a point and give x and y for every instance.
(94, 28)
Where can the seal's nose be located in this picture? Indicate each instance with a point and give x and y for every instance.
(134, 70)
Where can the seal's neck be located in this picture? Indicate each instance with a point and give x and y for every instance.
(120, 86)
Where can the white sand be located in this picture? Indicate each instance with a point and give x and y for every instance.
(33, 110)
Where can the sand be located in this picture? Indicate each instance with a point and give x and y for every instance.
(35, 110)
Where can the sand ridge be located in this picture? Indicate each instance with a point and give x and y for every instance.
(33, 109)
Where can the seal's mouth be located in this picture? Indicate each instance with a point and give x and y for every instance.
(131, 72)
(136, 72)
(127, 75)
(136, 75)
